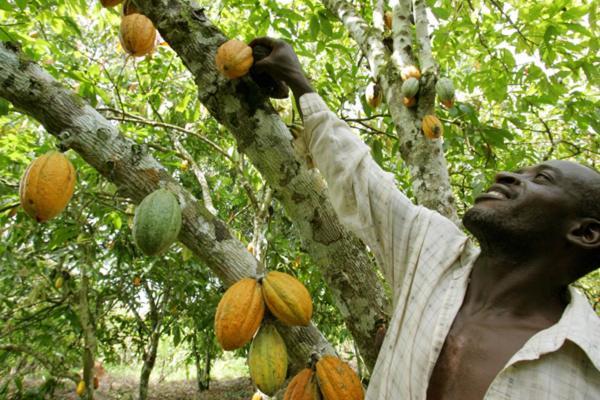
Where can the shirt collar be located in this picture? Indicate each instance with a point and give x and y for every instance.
(578, 324)
(582, 326)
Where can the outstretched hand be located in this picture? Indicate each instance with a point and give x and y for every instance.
(282, 64)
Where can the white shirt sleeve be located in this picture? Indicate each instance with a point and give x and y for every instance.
(366, 198)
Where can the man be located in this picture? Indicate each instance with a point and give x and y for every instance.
(495, 322)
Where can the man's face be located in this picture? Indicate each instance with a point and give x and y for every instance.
(531, 204)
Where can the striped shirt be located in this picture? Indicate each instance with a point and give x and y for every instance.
(427, 260)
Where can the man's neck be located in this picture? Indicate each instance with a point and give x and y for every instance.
(504, 285)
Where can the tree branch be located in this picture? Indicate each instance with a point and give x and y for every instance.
(426, 60)
(136, 174)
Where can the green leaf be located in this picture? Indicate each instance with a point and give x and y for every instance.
(4, 104)
(313, 27)
(441, 13)
(378, 152)
(325, 25)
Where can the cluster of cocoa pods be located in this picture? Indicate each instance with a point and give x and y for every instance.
(241, 312)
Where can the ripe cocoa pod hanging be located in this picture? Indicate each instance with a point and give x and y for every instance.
(110, 3)
(410, 87)
(432, 127)
(337, 380)
(80, 389)
(445, 91)
(303, 387)
(410, 71)
(287, 298)
(47, 186)
(234, 58)
(137, 34)
(409, 101)
(239, 314)
(387, 19)
(374, 95)
(157, 222)
(58, 283)
(268, 360)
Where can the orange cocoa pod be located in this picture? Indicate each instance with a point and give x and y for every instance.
(337, 380)
(234, 58)
(47, 186)
(287, 298)
(432, 127)
(409, 102)
(137, 34)
(239, 314)
(303, 387)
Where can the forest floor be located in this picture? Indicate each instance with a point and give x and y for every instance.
(122, 388)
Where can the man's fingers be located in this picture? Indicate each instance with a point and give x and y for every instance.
(262, 65)
(264, 41)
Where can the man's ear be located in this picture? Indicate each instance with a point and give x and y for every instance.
(585, 233)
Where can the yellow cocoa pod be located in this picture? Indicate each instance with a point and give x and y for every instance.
(239, 314)
(337, 380)
(303, 387)
(137, 34)
(432, 127)
(387, 19)
(268, 360)
(287, 298)
(80, 388)
(234, 58)
(47, 186)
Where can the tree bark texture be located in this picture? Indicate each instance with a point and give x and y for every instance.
(136, 174)
(424, 158)
(240, 106)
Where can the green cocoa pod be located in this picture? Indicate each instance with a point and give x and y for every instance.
(157, 222)
(268, 360)
(410, 87)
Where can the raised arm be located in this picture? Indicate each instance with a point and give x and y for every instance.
(365, 198)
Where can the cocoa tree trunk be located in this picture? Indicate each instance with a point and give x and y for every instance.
(88, 327)
(203, 365)
(136, 174)
(156, 317)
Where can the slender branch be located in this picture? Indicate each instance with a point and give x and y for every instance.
(140, 120)
(199, 175)
(366, 37)
(9, 207)
(402, 33)
(529, 42)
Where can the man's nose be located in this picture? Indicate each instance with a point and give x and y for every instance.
(507, 178)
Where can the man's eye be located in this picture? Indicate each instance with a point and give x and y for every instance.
(542, 177)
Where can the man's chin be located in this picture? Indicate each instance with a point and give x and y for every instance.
(479, 218)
